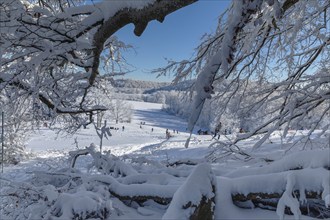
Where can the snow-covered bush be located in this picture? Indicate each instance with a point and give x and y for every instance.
(15, 127)
(75, 200)
(14, 146)
(82, 204)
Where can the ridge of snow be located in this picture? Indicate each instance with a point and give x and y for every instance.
(307, 159)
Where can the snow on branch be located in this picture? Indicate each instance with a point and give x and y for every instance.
(140, 17)
(262, 64)
(238, 16)
(52, 51)
(105, 163)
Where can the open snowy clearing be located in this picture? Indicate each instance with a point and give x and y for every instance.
(135, 144)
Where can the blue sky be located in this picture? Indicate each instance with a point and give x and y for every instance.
(174, 39)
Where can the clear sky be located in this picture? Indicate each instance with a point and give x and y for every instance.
(174, 39)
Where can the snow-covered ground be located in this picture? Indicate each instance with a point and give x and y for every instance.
(49, 152)
(149, 139)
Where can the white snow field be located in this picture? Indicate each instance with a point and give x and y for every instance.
(149, 152)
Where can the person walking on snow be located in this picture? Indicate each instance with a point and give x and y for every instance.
(168, 135)
(217, 131)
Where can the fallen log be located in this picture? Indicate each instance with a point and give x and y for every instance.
(298, 192)
(139, 193)
(178, 163)
(140, 199)
(312, 206)
(136, 192)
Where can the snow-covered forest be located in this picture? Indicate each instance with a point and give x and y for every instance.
(243, 132)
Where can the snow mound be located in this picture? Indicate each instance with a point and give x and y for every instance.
(307, 159)
(82, 204)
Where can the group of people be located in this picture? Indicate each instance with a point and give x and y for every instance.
(216, 133)
(168, 134)
(142, 123)
(123, 127)
(226, 131)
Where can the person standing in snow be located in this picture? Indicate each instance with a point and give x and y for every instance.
(217, 131)
(168, 135)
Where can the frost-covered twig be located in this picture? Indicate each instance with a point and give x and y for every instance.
(221, 150)
(55, 59)
(102, 132)
(105, 163)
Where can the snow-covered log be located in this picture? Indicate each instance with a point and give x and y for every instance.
(196, 205)
(294, 192)
(312, 206)
(139, 193)
(189, 162)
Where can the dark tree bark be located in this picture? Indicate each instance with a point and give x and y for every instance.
(314, 205)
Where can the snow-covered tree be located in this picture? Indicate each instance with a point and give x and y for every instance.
(120, 111)
(101, 94)
(53, 51)
(14, 127)
(280, 48)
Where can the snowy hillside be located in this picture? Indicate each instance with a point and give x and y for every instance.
(180, 86)
(141, 153)
(133, 87)
(137, 84)
(257, 141)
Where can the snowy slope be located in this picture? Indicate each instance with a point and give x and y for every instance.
(50, 153)
(132, 139)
